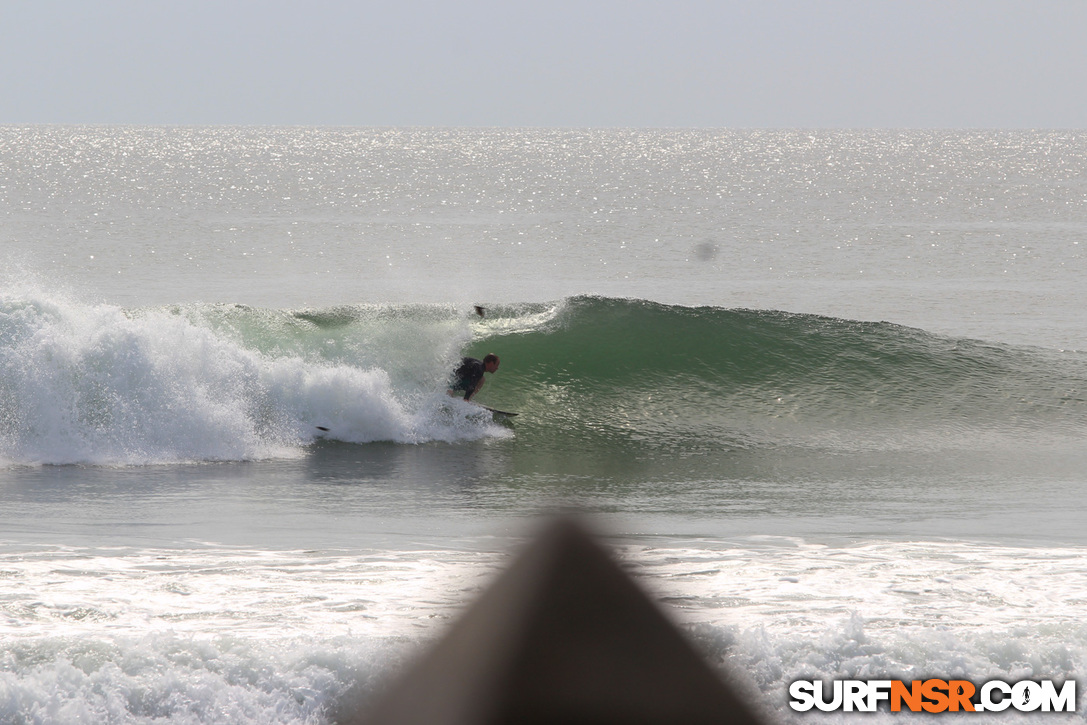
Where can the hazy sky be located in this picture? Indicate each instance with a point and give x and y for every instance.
(755, 63)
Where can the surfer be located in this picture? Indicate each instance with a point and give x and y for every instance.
(468, 378)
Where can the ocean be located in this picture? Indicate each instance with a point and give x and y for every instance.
(823, 394)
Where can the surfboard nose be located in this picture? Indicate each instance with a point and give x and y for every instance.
(562, 636)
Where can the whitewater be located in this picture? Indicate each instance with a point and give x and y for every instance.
(824, 394)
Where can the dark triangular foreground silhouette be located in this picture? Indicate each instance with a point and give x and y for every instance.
(564, 636)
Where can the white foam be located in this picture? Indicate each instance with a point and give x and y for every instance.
(163, 678)
(88, 383)
(276, 634)
(774, 610)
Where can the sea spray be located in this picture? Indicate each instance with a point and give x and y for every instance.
(93, 383)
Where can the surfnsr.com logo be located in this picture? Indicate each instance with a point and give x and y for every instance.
(933, 695)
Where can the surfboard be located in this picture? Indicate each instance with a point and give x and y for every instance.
(497, 413)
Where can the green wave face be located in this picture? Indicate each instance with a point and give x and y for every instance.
(643, 377)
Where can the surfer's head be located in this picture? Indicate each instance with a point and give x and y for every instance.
(490, 362)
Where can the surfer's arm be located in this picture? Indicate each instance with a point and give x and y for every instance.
(469, 394)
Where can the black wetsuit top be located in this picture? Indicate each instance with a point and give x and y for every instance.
(468, 375)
